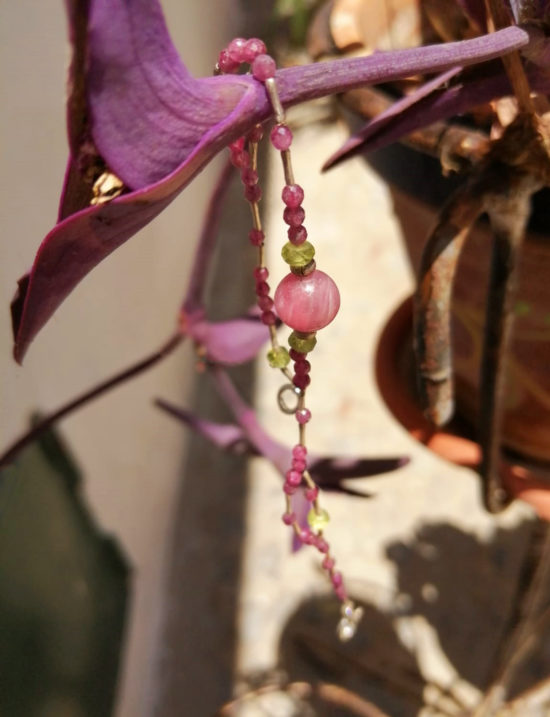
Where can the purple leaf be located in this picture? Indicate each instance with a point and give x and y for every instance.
(156, 127)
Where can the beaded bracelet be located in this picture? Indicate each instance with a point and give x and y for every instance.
(306, 300)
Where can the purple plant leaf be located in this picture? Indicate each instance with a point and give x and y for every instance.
(156, 127)
(229, 342)
(227, 436)
(441, 105)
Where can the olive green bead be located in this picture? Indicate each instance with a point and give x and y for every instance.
(318, 520)
(298, 255)
(278, 357)
(302, 344)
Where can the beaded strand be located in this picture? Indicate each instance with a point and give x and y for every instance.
(306, 300)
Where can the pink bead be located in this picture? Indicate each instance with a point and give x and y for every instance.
(301, 381)
(240, 158)
(256, 133)
(336, 579)
(281, 137)
(269, 318)
(256, 237)
(293, 195)
(289, 518)
(265, 303)
(328, 563)
(322, 545)
(299, 464)
(294, 216)
(293, 477)
(299, 451)
(262, 288)
(289, 489)
(303, 415)
(297, 356)
(341, 593)
(307, 303)
(311, 494)
(297, 235)
(302, 367)
(252, 49)
(261, 272)
(226, 63)
(307, 537)
(237, 145)
(235, 49)
(253, 193)
(263, 67)
(249, 176)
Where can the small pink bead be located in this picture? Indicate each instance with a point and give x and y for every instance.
(263, 67)
(307, 303)
(261, 272)
(336, 579)
(240, 158)
(328, 563)
(281, 137)
(293, 477)
(237, 145)
(265, 303)
(253, 48)
(289, 518)
(293, 195)
(256, 133)
(311, 494)
(341, 593)
(298, 464)
(262, 288)
(297, 235)
(299, 451)
(235, 49)
(303, 415)
(294, 216)
(226, 63)
(269, 318)
(289, 489)
(249, 176)
(256, 237)
(302, 367)
(301, 381)
(307, 537)
(297, 356)
(322, 545)
(253, 193)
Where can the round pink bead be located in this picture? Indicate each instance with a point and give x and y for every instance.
(322, 545)
(262, 288)
(261, 272)
(289, 489)
(253, 48)
(311, 494)
(336, 579)
(293, 195)
(235, 49)
(307, 303)
(249, 176)
(307, 537)
(226, 62)
(299, 464)
(297, 356)
(302, 367)
(297, 235)
(303, 415)
(240, 158)
(269, 318)
(294, 216)
(301, 381)
(256, 133)
(253, 192)
(289, 518)
(328, 563)
(293, 477)
(299, 451)
(263, 67)
(281, 137)
(256, 237)
(265, 303)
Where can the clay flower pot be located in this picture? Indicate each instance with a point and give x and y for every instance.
(418, 191)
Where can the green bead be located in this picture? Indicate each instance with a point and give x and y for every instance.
(318, 520)
(278, 357)
(298, 255)
(302, 344)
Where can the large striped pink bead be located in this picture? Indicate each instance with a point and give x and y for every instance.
(307, 303)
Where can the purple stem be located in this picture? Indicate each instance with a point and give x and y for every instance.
(193, 301)
(146, 363)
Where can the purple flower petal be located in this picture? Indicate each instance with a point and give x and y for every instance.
(230, 342)
(226, 436)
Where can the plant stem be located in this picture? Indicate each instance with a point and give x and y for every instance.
(143, 365)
